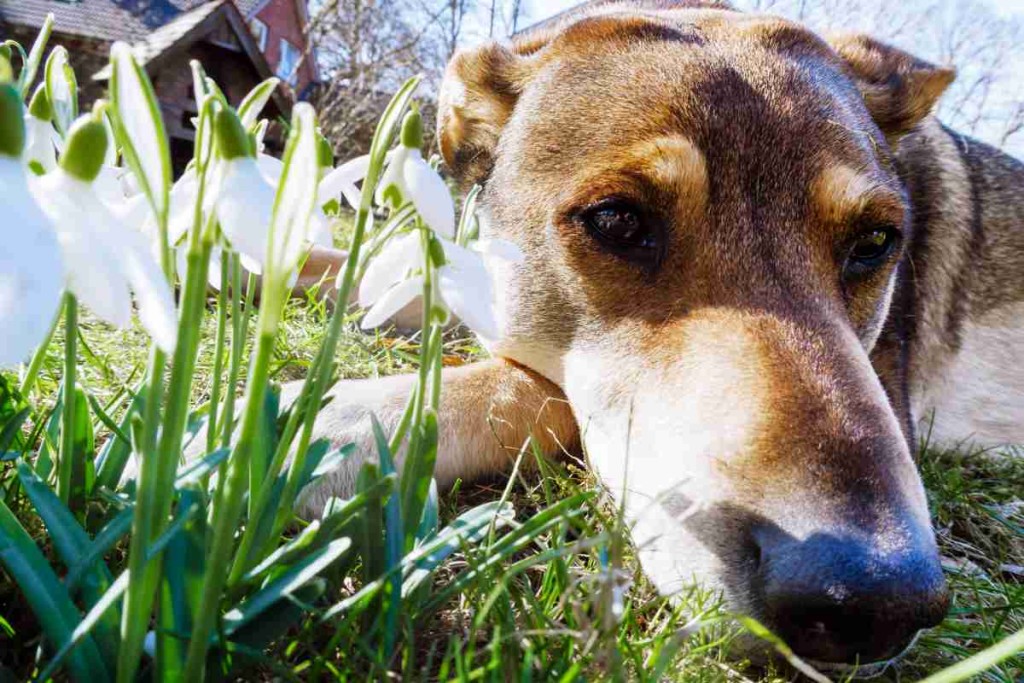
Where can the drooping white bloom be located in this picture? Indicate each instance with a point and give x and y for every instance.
(31, 268)
(420, 184)
(394, 279)
(248, 189)
(105, 259)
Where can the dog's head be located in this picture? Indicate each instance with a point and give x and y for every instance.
(712, 218)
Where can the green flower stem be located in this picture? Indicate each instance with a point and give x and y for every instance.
(67, 446)
(218, 352)
(28, 382)
(160, 460)
(228, 506)
(238, 333)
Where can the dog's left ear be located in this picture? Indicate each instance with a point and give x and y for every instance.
(900, 90)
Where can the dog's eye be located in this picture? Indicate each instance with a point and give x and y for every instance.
(870, 250)
(621, 227)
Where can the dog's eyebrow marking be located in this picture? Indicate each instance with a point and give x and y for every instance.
(841, 193)
(674, 163)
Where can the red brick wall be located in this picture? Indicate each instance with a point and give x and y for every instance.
(284, 21)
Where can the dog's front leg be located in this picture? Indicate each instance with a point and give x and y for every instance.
(488, 411)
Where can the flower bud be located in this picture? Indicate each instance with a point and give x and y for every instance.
(231, 137)
(12, 121)
(412, 130)
(86, 149)
(40, 106)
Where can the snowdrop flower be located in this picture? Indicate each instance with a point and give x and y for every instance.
(105, 259)
(409, 177)
(465, 284)
(395, 278)
(31, 268)
(40, 134)
(247, 192)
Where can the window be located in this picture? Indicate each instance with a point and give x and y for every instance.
(288, 66)
(260, 31)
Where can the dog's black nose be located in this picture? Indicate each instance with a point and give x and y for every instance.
(839, 600)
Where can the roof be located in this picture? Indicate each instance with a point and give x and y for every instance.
(170, 41)
(128, 20)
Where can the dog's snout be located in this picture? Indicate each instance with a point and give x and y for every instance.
(838, 600)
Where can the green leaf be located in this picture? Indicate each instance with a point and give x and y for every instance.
(417, 475)
(10, 435)
(285, 554)
(194, 472)
(83, 473)
(35, 57)
(111, 533)
(285, 585)
(393, 541)
(47, 598)
(257, 634)
(265, 444)
(182, 585)
(71, 542)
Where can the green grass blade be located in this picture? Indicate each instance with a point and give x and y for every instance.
(981, 662)
(27, 76)
(47, 598)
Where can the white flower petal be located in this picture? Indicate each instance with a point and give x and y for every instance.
(244, 207)
(392, 174)
(393, 301)
(31, 268)
(270, 166)
(39, 143)
(392, 264)
(319, 231)
(427, 191)
(340, 179)
(183, 197)
(92, 261)
(499, 249)
(108, 185)
(157, 312)
(138, 113)
(297, 192)
(469, 295)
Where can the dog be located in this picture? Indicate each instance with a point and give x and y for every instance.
(756, 265)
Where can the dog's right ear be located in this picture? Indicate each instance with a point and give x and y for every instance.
(479, 91)
(899, 89)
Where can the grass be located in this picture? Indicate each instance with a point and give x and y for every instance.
(550, 608)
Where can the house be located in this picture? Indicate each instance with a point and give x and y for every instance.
(239, 43)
